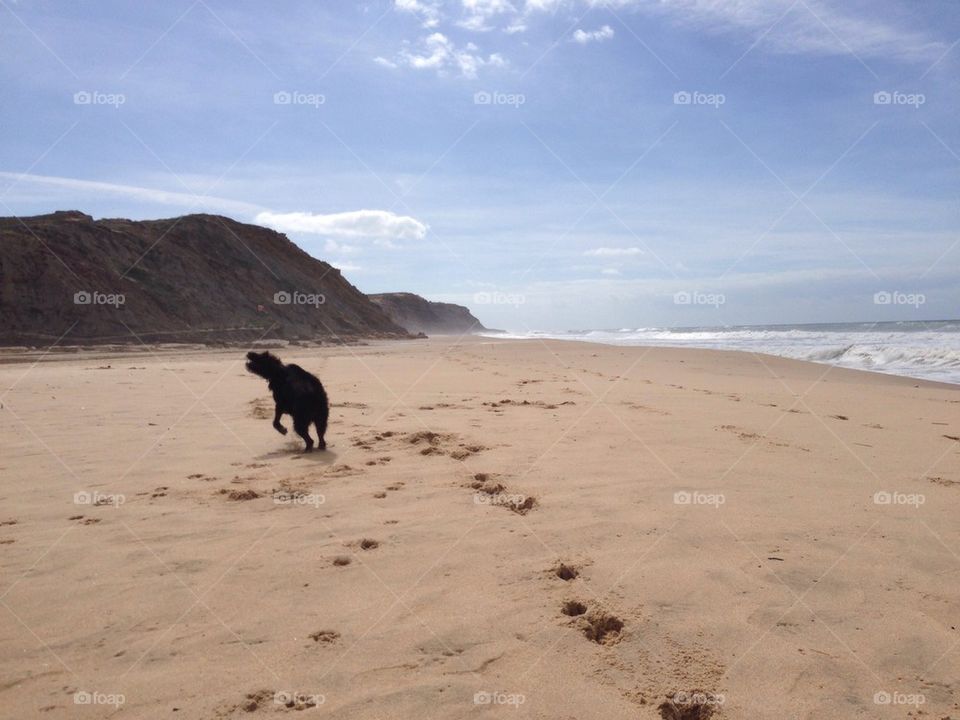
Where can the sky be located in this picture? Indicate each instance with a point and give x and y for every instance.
(551, 164)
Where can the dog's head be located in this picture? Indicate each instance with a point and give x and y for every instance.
(264, 364)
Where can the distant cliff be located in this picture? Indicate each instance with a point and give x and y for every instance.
(417, 314)
(197, 278)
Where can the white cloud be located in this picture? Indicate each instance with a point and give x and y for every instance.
(614, 252)
(385, 63)
(374, 225)
(427, 10)
(478, 14)
(438, 52)
(812, 27)
(602, 33)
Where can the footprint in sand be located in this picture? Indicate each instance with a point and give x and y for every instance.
(239, 495)
(342, 560)
(597, 626)
(692, 705)
(566, 572)
(491, 492)
(261, 409)
(261, 699)
(325, 636)
(602, 628)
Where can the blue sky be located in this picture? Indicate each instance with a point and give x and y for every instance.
(553, 164)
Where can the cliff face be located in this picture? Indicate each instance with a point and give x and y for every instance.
(196, 278)
(417, 314)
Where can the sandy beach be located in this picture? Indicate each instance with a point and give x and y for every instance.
(498, 529)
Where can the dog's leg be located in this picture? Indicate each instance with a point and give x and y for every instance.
(276, 421)
(321, 423)
(302, 428)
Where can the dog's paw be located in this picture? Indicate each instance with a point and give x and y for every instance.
(280, 429)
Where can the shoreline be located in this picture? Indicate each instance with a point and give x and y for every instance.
(16, 355)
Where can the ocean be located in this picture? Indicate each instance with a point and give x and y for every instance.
(920, 349)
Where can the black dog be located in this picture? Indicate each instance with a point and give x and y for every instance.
(296, 393)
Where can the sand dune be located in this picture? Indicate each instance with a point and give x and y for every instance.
(499, 528)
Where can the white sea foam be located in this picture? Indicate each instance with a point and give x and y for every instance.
(929, 350)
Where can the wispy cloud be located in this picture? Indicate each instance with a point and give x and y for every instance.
(605, 32)
(80, 189)
(815, 27)
(614, 252)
